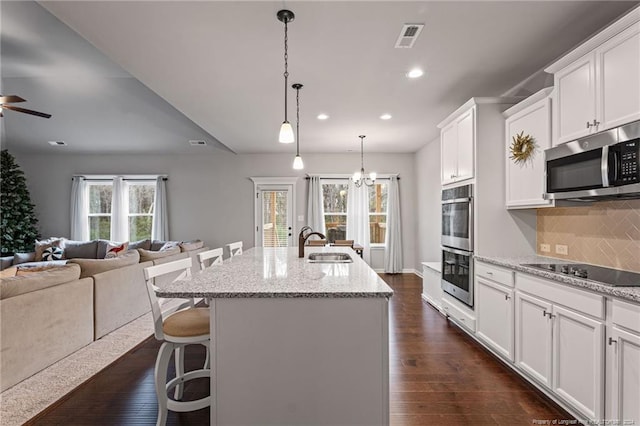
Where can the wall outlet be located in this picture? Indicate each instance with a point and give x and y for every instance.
(562, 249)
(545, 248)
(301, 218)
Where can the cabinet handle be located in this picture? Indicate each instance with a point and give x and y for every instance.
(588, 124)
(595, 123)
(507, 297)
(612, 341)
(544, 313)
(489, 273)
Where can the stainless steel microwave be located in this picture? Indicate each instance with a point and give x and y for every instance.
(605, 165)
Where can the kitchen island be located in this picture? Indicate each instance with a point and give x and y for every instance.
(294, 342)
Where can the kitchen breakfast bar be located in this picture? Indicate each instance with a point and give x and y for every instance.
(295, 342)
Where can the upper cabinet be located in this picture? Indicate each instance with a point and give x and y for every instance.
(598, 83)
(457, 140)
(525, 180)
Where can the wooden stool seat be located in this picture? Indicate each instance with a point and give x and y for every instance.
(187, 323)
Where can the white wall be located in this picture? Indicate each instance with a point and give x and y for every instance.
(210, 196)
(428, 195)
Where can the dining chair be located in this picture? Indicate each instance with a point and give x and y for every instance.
(177, 326)
(235, 248)
(214, 257)
(348, 243)
(317, 242)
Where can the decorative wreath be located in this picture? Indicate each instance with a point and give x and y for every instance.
(522, 148)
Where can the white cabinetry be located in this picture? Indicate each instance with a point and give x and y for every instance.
(494, 324)
(623, 364)
(431, 284)
(457, 147)
(525, 184)
(598, 83)
(560, 341)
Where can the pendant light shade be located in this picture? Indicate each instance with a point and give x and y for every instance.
(286, 131)
(297, 162)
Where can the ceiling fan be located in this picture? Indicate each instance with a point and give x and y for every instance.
(12, 99)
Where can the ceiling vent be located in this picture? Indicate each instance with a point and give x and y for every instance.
(408, 35)
(57, 143)
(197, 143)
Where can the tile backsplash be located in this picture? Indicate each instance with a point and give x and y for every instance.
(604, 233)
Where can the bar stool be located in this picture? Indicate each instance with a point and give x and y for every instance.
(177, 326)
(214, 256)
(235, 248)
(343, 243)
(317, 242)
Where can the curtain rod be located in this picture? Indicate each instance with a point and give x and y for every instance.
(346, 178)
(125, 179)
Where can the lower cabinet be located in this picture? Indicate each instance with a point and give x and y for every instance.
(561, 348)
(494, 323)
(431, 284)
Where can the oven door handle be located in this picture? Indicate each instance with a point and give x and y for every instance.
(604, 166)
(456, 251)
(457, 200)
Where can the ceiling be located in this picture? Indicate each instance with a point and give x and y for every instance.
(162, 72)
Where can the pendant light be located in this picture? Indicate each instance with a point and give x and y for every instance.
(286, 131)
(360, 177)
(297, 162)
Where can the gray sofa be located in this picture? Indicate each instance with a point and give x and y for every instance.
(47, 315)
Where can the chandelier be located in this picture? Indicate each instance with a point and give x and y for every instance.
(360, 177)
(286, 131)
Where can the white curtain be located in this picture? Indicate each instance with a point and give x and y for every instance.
(393, 238)
(119, 211)
(160, 226)
(79, 213)
(315, 205)
(358, 217)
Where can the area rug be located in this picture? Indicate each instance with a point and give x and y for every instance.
(25, 400)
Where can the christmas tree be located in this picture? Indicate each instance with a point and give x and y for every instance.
(18, 222)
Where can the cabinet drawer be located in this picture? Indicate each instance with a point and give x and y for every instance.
(579, 300)
(626, 315)
(460, 316)
(495, 273)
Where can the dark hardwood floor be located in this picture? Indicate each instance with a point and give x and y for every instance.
(438, 375)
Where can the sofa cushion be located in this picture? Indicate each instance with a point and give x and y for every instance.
(19, 258)
(26, 270)
(91, 267)
(42, 263)
(143, 244)
(191, 245)
(42, 245)
(20, 284)
(8, 272)
(52, 253)
(6, 261)
(80, 249)
(146, 255)
(156, 245)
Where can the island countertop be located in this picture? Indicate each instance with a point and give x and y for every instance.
(280, 273)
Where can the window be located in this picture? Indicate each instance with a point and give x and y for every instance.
(335, 196)
(139, 209)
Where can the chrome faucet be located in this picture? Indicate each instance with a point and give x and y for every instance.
(302, 238)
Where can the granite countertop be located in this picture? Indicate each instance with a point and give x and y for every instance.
(628, 293)
(278, 272)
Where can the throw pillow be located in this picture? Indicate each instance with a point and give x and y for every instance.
(191, 245)
(143, 244)
(169, 245)
(115, 250)
(79, 249)
(52, 253)
(19, 258)
(42, 245)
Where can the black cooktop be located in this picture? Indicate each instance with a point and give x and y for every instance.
(608, 276)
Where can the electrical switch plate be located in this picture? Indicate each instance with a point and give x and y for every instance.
(562, 249)
(301, 218)
(545, 248)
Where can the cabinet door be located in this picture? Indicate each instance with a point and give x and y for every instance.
(578, 362)
(525, 182)
(575, 100)
(431, 287)
(624, 354)
(466, 139)
(618, 79)
(533, 337)
(449, 153)
(494, 305)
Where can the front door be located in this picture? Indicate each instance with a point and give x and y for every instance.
(275, 216)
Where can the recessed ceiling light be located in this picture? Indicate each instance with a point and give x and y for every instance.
(57, 143)
(322, 116)
(385, 116)
(415, 73)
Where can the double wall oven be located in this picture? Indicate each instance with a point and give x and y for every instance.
(457, 243)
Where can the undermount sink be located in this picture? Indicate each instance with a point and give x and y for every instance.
(329, 258)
